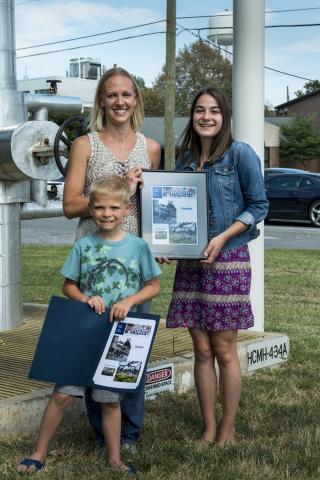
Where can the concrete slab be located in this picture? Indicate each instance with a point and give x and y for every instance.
(170, 368)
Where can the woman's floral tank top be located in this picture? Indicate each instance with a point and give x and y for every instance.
(103, 162)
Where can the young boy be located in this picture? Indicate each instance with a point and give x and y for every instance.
(103, 269)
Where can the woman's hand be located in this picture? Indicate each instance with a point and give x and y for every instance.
(97, 303)
(162, 260)
(214, 248)
(134, 178)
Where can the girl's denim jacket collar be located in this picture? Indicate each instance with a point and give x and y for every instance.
(236, 192)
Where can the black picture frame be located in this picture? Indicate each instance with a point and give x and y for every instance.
(174, 213)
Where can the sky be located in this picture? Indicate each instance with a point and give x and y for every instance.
(294, 50)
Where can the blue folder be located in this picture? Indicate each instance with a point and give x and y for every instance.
(72, 341)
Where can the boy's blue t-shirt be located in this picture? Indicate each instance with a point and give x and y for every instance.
(113, 270)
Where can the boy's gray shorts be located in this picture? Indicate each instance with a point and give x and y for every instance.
(101, 396)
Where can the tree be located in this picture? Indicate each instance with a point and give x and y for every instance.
(309, 87)
(152, 102)
(269, 110)
(197, 66)
(300, 140)
(140, 82)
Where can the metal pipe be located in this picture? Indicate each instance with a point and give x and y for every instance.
(53, 103)
(10, 281)
(248, 115)
(31, 211)
(38, 192)
(40, 114)
(12, 108)
(38, 188)
(26, 151)
(7, 47)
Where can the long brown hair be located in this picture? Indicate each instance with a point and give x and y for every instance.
(190, 140)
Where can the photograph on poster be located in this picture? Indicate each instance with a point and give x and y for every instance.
(128, 372)
(108, 371)
(119, 349)
(134, 329)
(174, 215)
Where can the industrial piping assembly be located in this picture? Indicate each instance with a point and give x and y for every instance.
(26, 163)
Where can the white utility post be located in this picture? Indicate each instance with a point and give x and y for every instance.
(248, 115)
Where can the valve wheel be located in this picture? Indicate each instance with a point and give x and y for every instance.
(63, 140)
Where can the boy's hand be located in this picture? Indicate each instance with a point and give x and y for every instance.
(120, 310)
(97, 303)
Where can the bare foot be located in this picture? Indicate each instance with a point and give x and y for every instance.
(122, 467)
(208, 436)
(225, 438)
(33, 463)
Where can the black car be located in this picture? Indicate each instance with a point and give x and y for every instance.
(270, 172)
(294, 196)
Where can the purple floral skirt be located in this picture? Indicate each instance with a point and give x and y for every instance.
(213, 296)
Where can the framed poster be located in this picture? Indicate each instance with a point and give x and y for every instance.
(174, 213)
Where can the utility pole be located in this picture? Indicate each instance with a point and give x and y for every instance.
(169, 107)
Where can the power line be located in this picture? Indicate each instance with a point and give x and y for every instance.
(190, 30)
(266, 12)
(294, 10)
(231, 53)
(156, 33)
(164, 20)
(289, 74)
(27, 1)
(144, 25)
(93, 35)
(91, 45)
(291, 25)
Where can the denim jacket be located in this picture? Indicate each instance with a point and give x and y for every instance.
(236, 192)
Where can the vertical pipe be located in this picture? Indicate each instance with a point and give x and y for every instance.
(38, 188)
(169, 111)
(10, 276)
(12, 109)
(12, 112)
(7, 47)
(248, 115)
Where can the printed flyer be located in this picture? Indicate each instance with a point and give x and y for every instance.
(174, 215)
(124, 357)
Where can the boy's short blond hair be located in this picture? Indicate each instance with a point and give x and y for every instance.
(110, 185)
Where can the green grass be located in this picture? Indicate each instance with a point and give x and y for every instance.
(278, 425)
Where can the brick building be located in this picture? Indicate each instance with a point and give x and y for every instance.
(308, 104)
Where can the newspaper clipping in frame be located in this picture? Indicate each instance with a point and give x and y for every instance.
(174, 215)
(125, 354)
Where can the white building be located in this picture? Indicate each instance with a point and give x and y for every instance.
(85, 67)
(81, 80)
(80, 87)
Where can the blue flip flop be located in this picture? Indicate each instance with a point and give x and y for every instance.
(30, 462)
(131, 470)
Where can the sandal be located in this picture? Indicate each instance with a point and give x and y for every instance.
(30, 462)
(131, 469)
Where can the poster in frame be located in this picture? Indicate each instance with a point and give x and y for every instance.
(174, 213)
